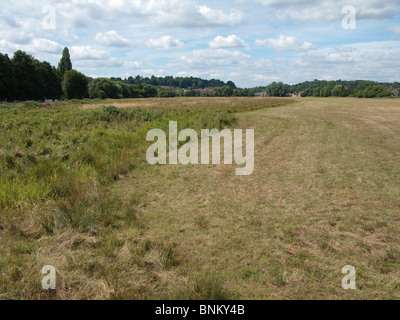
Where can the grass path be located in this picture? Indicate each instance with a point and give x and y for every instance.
(325, 193)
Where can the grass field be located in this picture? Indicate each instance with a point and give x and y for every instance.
(76, 193)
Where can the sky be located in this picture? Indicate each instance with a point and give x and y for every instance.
(250, 42)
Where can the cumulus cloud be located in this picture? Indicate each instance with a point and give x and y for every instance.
(188, 14)
(205, 58)
(231, 41)
(109, 62)
(45, 45)
(88, 53)
(172, 13)
(284, 43)
(328, 10)
(7, 18)
(326, 59)
(164, 43)
(375, 60)
(112, 39)
(132, 64)
(224, 64)
(344, 48)
(37, 45)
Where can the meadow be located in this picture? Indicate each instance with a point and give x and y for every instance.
(58, 160)
(76, 193)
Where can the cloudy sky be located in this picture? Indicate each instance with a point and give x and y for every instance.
(251, 42)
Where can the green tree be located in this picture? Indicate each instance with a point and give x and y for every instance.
(74, 85)
(65, 62)
(29, 82)
(104, 88)
(166, 93)
(278, 89)
(317, 92)
(8, 82)
(339, 91)
(376, 90)
(231, 84)
(325, 91)
(224, 91)
(51, 81)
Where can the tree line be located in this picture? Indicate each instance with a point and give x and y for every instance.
(340, 88)
(24, 78)
(178, 82)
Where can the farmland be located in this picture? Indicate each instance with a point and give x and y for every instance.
(77, 193)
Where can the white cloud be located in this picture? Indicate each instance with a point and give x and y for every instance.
(218, 17)
(112, 39)
(188, 14)
(38, 45)
(394, 29)
(205, 58)
(7, 18)
(88, 53)
(110, 62)
(284, 43)
(226, 65)
(344, 48)
(326, 59)
(231, 41)
(164, 43)
(132, 64)
(171, 13)
(328, 10)
(45, 45)
(375, 60)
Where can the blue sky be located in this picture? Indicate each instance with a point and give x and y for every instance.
(251, 42)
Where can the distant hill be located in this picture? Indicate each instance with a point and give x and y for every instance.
(340, 88)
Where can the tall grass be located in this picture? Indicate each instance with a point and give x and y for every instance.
(55, 153)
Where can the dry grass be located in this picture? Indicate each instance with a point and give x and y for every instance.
(325, 193)
(233, 103)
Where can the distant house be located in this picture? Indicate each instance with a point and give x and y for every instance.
(297, 94)
(261, 94)
(208, 90)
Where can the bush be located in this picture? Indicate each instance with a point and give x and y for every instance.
(166, 93)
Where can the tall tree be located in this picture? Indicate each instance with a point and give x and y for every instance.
(65, 62)
(27, 78)
(8, 82)
(51, 87)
